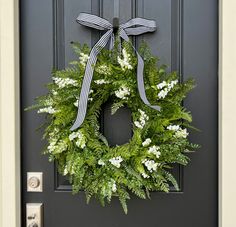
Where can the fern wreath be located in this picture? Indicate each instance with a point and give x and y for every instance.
(160, 138)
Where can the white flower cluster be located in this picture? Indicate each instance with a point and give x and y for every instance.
(83, 59)
(146, 142)
(182, 133)
(102, 81)
(63, 82)
(65, 172)
(103, 69)
(48, 102)
(116, 161)
(52, 145)
(76, 103)
(112, 185)
(179, 132)
(173, 127)
(56, 147)
(144, 175)
(142, 120)
(101, 162)
(166, 87)
(68, 169)
(150, 164)
(123, 92)
(54, 92)
(155, 150)
(114, 188)
(125, 62)
(80, 142)
(49, 110)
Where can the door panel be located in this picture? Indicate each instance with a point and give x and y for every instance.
(186, 40)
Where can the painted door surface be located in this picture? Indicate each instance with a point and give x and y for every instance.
(186, 40)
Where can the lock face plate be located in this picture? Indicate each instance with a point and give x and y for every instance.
(34, 182)
(34, 214)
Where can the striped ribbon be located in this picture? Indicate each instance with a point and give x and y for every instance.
(135, 26)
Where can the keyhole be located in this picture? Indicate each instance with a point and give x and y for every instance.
(116, 128)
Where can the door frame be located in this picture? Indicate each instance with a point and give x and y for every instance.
(10, 196)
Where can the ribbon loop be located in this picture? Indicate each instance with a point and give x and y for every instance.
(93, 21)
(141, 26)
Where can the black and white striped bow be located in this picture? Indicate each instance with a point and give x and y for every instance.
(124, 30)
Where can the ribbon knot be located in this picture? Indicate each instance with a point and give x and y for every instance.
(135, 26)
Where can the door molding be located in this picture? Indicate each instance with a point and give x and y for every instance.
(10, 212)
(227, 112)
(9, 115)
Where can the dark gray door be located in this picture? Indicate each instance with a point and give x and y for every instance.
(187, 41)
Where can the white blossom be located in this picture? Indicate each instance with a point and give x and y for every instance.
(54, 92)
(80, 143)
(73, 135)
(101, 162)
(65, 171)
(68, 169)
(144, 175)
(83, 59)
(112, 185)
(146, 142)
(48, 102)
(179, 132)
(182, 133)
(52, 145)
(137, 124)
(114, 188)
(161, 85)
(80, 139)
(173, 127)
(56, 146)
(63, 82)
(116, 161)
(125, 62)
(172, 84)
(150, 164)
(49, 110)
(123, 92)
(155, 150)
(103, 69)
(102, 81)
(166, 87)
(142, 120)
(76, 103)
(163, 93)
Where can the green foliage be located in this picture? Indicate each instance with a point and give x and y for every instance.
(159, 139)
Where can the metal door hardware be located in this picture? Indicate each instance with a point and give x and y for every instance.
(33, 224)
(34, 182)
(34, 212)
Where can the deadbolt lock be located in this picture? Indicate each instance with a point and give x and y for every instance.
(34, 181)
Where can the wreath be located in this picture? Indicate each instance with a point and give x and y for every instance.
(160, 138)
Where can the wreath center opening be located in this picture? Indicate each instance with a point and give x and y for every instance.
(117, 128)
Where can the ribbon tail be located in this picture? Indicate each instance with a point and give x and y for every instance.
(88, 76)
(140, 81)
